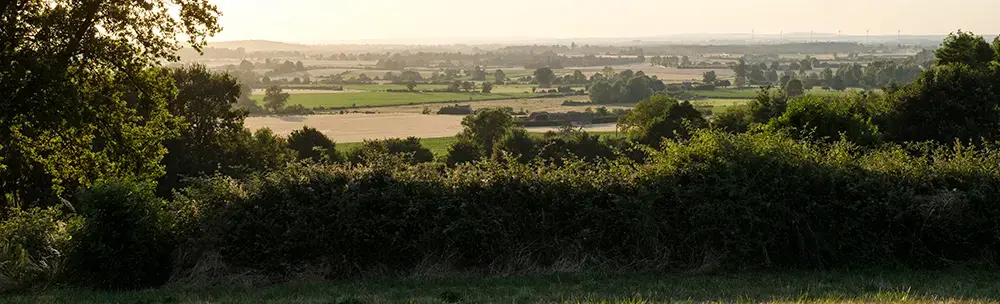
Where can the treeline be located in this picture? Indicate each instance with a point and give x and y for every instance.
(107, 141)
(876, 74)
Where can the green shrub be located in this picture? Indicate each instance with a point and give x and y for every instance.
(311, 144)
(827, 118)
(409, 149)
(125, 240)
(463, 151)
(33, 247)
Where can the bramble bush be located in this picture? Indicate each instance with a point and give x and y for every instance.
(760, 199)
(33, 247)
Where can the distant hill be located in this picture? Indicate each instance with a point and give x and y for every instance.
(260, 45)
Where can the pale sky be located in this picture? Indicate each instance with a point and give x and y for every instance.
(434, 21)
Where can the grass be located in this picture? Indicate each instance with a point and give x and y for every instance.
(369, 99)
(719, 105)
(948, 286)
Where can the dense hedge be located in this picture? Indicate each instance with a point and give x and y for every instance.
(745, 200)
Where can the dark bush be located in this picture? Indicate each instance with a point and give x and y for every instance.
(409, 150)
(827, 118)
(313, 145)
(455, 110)
(462, 151)
(125, 241)
(735, 200)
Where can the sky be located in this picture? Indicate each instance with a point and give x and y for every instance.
(450, 21)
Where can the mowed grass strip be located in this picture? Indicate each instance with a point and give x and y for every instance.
(952, 286)
(374, 99)
(439, 146)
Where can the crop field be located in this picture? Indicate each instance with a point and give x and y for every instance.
(549, 104)
(354, 127)
(374, 99)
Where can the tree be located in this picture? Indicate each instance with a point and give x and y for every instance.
(86, 95)
(299, 66)
(775, 66)
(517, 143)
(410, 86)
(685, 61)
(210, 122)
(947, 103)
(709, 77)
(628, 73)
(464, 150)
(795, 66)
(601, 92)
(275, 99)
(794, 88)
(544, 77)
(468, 86)
(741, 82)
(486, 127)
(637, 89)
(579, 77)
(806, 64)
(409, 149)
(661, 117)
(487, 88)
(499, 77)
(772, 76)
(827, 76)
(965, 47)
(311, 144)
(246, 65)
(838, 83)
(608, 71)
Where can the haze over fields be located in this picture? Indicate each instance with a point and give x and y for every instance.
(450, 21)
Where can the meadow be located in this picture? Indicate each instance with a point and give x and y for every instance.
(949, 286)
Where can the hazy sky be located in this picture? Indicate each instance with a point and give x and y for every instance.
(434, 21)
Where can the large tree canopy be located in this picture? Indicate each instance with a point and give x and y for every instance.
(84, 95)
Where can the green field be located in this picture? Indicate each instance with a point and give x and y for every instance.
(954, 286)
(719, 105)
(751, 93)
(370, 99)
(439, 146)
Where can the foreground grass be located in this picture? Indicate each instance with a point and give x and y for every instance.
(953, 286)
(372, 99)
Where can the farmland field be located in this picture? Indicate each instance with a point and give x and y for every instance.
(368, 99)
(359, 127)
